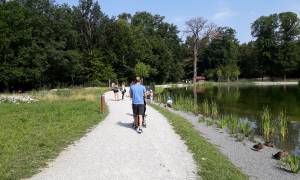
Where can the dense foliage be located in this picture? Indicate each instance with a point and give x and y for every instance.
(43, 44)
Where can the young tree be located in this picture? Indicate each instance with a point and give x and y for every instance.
(142, 70)
(199, 30)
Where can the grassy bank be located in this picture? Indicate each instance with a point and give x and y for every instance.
(211, 163)
(32, 134)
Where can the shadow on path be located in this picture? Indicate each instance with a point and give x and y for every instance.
(129, 114)
(127, 125)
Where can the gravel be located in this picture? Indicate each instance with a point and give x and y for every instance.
(257, 165)
(114, 150)
(16, 99)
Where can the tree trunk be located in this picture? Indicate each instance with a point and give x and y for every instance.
(195, 62)
(195, 99)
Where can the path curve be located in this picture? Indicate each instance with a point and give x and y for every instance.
(113, 150)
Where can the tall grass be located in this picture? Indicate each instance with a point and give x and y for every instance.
(266, 123)
(283, 124)
(222, 122)
(31, 134)
(205, 107)
(245, 128)
(214, 112)
(233, 124)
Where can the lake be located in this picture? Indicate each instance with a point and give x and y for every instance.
(248, 102)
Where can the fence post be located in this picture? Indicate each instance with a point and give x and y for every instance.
(102, 103)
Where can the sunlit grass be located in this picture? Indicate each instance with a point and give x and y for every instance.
(291, 163)
(283, 124)
(31, 134)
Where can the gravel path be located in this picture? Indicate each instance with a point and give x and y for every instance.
(257, 165)
(113, 150)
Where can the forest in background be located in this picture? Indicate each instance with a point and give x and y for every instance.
(45, 44)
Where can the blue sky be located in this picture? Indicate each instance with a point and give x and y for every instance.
(238, 14)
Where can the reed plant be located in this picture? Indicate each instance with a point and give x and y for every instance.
(266, 123)
(245, 128)
(233, 124)
(205, 107)
(283, 124)
(291, 163)
(214, 112)
(184, 104)
(222, 122)
(210, 122)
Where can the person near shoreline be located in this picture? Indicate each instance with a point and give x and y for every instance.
(138, 93)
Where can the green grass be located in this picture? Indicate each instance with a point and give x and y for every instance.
(283, 124)
(291, 163)
(32, 134)
(215, 165)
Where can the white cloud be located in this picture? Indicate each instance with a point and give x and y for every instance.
(223, 14)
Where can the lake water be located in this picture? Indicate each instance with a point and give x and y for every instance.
(248, 102)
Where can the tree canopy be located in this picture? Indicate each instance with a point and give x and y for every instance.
(44, 44)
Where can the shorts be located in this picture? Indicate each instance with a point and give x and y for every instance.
(116, 91)
(138, 109)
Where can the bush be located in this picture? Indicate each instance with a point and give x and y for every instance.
(291, 163)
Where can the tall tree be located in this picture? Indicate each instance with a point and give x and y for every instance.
(88, 19)
(222, 50)
(289, 30)
(264, 29)
(199, 30)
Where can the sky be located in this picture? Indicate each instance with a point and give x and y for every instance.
(238, 14)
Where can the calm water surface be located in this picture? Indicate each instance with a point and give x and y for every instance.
(248, 101)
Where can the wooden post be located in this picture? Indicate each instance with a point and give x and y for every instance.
(102, 103)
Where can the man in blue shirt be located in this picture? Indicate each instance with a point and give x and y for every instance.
(137, 93)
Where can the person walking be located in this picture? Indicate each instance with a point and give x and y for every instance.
(116, 92)
(123, 90)
(137, 93)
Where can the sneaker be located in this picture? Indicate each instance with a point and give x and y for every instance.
(144, 124)
(139, 130)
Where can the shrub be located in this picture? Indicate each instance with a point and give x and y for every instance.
(291, 163)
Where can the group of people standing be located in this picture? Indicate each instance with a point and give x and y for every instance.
(116, 89)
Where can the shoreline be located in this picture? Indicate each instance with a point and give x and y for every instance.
(254, 83)
(257, 165)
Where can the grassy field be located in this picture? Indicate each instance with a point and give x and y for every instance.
(211, 163)
(32, 134)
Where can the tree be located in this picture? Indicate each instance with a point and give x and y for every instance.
(222, 50)
(264, 29)
(199, 30)
(142, 70)
(88, 18)
(248, 60)
(289, 30)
